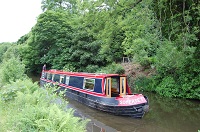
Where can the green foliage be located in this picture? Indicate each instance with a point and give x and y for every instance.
(112, 69)
(35, 109)
(54, 42)
(9, 91)
(39, 114)
(92, 68)
(57, 4)
(142, 34)
(49, 41)
(11, 70)
(11, 52)
(177, 60)
(88, 35)
(169, 58)
(26, 107)
(3, 48)
(143, 83)
(23, 39)
(84, 52)
(168, 87)
(110, 33)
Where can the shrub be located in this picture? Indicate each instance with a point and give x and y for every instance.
(167, 87)
(113, 68)
(39, 112)
(9, 91)
(144, 83)
(3, 48)
(11, 52)
(11, 70)
(35, 109)
(92, 68)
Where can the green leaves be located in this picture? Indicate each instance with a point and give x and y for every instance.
(9, 91)
(49, 38)
(11, 70)
(176, 59)
(57, 4)
(88, 35)
(142, 34)
(29, 108)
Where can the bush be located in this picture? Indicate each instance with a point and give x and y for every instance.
(113, 69)
(35, 109)
(92, 68)
(144, 83)
(11, 52)
(9, 91)
(3, 48)
(11, 70)
(168, 87)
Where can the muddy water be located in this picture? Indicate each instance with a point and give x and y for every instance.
(165, 115)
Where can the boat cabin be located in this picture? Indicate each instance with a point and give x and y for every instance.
(109, 85)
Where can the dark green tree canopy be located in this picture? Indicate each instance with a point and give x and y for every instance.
(88, 35)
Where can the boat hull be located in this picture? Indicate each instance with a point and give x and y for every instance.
(136, 111)
(109, 105)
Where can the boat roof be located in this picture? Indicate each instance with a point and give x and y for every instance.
(83, 74)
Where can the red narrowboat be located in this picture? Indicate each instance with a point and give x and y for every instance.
(105, 92)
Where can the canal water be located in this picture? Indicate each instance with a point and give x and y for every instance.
(165, 115)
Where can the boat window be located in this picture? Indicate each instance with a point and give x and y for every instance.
(45, 75)
(49, 76)
(62, 78)
(98, 86)
(67, 80)
(115, 84)
(108, 87)
(89, 84)
(122, 86)
(76, 82)
(56, 78)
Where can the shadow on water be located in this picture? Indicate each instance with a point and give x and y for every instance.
(165, 115)
(34, 77)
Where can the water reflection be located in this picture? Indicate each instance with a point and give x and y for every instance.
(165, 115)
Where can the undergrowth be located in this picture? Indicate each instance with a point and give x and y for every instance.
(28, 108)
(112, 69)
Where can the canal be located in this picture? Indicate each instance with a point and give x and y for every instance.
(165, 115)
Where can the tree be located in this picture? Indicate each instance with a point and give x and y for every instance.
(3, 48)
(49, 37)
(178, 57)
(58, 4)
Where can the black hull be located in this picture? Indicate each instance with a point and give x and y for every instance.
(136, 111)
(108, 105)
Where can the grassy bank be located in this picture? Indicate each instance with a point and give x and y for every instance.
(26, 107)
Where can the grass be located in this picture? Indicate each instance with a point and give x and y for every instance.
(3, 119)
